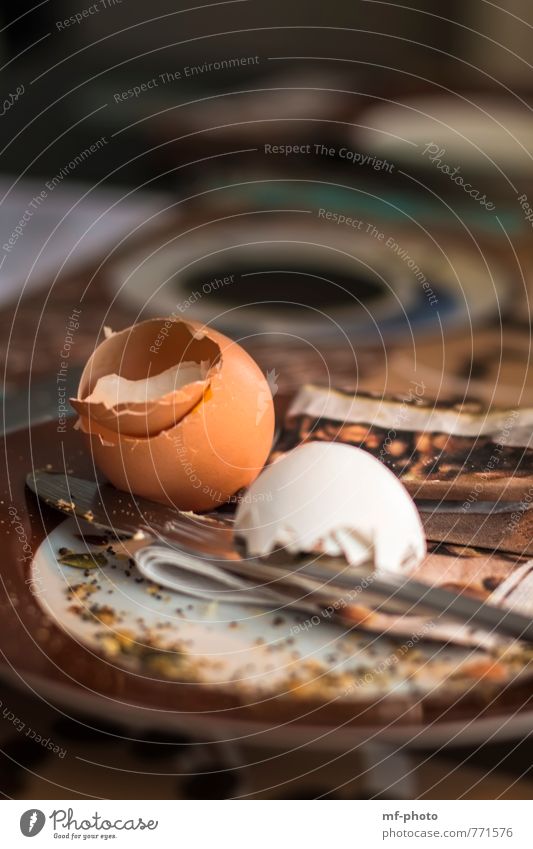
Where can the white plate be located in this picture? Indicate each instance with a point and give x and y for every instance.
(246, 651)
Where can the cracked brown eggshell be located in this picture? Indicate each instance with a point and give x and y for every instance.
(128, 354)
(195, 447)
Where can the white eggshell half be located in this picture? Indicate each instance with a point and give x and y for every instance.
(333, 498)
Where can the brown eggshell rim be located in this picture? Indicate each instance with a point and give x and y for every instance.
(99, 416)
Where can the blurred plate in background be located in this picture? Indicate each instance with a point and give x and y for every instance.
(262, 273)
(483, 133)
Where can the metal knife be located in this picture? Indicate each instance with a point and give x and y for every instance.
(207, 538)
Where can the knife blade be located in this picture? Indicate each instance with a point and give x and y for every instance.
(211, 539)
(120, 513)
